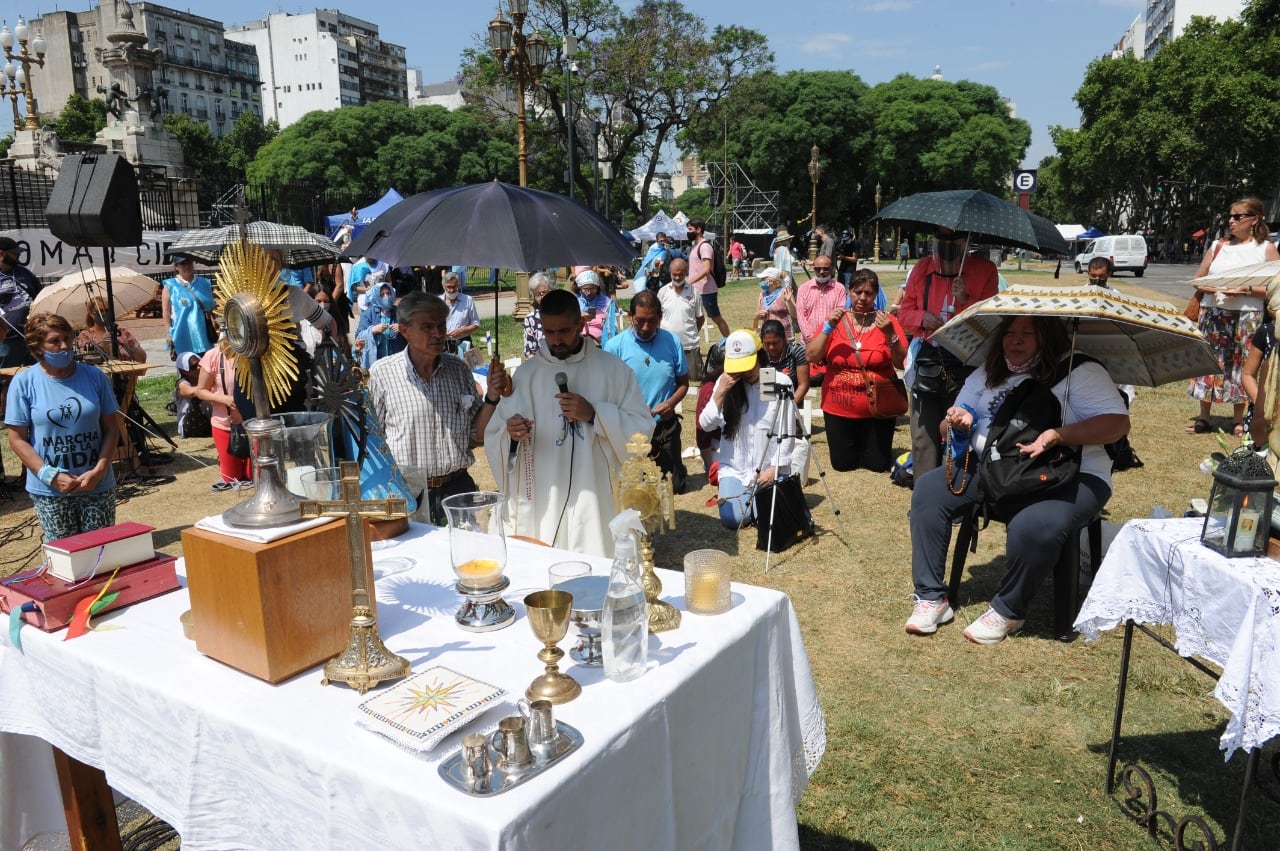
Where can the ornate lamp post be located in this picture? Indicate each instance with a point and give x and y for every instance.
(875, 250)
(17, 78)
(815, 171)
(521, 58)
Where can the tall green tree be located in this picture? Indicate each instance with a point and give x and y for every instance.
(643, 74)
(199, 147)
(247, 136)
(80, 119)
(364, 150)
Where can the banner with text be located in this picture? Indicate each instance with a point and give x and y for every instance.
(47, 256)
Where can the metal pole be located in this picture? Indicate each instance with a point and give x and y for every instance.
(568, 108)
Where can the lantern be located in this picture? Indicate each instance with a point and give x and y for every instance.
(1238, 522)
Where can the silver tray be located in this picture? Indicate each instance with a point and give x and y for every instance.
(499, 781)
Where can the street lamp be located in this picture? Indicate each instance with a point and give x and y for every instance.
(875, 250)
(521, 58)
(815, 171)
(17, 78)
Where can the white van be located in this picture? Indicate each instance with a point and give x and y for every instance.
(1127, 253)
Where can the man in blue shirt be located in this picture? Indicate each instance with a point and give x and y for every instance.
(463, 318)
(657, 359)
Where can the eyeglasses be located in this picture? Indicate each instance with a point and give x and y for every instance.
(822, 268)
(1094, 280)
(1235, 217)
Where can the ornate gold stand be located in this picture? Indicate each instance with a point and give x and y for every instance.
(366, 661)
(642, 486)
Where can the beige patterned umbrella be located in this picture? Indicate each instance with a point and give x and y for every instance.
(1141, 342)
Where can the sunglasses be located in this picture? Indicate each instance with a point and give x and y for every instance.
(1094, 280)
(1235, 217)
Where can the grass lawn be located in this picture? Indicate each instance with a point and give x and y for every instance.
(936, 743)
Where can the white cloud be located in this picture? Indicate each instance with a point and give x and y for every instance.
(828, 42)
(887, 6)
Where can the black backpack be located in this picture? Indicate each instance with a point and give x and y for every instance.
(1010, 479)
(718, 272)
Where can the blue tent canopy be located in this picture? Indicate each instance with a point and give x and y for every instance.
(1092, 233)
(364, 216)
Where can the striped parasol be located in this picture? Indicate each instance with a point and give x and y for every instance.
(1147, 343)
(301, 247)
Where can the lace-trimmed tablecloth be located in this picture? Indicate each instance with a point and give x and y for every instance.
(711, 748)
(1224, 610)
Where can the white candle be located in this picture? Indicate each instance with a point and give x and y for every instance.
(1247, 528)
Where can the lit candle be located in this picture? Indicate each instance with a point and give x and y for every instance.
(705, 592)
(1247, 528)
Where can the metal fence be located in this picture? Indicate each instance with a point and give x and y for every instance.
(180, 203)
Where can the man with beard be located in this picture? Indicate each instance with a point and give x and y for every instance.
(556, 444)
(938, 287)
(657, 358)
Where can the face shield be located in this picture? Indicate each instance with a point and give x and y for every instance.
(950, 251)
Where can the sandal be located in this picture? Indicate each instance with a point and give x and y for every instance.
(1237, 428)
(1198, 426)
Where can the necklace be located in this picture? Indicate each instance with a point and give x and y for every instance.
(858, 336)
(648, 347)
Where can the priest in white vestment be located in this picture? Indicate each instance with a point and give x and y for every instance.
(556, 455)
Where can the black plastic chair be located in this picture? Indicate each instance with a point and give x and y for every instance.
(1066, 573)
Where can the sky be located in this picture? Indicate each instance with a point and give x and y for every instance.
(1034, 52)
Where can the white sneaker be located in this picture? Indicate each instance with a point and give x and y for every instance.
(928, 615)
(991, 628)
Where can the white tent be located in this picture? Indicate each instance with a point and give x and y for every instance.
(660, 223)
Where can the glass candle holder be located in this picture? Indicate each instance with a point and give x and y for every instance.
(706, 582)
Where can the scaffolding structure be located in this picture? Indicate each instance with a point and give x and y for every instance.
(746, 207)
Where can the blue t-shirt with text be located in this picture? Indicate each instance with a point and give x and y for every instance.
(63, 417)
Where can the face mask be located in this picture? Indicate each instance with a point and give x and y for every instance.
(58, 360)
(448, 296)
(764, 285)
(386, 302)
(822, 275)
(949, 250)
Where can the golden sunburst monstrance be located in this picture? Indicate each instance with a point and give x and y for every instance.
(254, 305)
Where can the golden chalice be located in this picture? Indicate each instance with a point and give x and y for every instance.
(549, 617)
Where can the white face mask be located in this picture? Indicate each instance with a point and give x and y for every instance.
(450, 296)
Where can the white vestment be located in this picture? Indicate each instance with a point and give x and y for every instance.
(560, 489)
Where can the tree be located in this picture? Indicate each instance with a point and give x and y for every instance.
(645, 74)
(81, 119)
(248, 134)
(1166, 144)
(363, 150)
(929, 135)
(772, 121)
(199, 147)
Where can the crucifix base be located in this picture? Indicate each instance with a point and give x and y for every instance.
(366, 661)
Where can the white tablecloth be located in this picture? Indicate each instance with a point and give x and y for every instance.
(1224, 610)
(709, 749)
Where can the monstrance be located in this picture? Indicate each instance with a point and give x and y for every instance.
(641, 485)
(259, 335)
(366, 661)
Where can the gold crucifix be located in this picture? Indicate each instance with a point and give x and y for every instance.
(366, 661)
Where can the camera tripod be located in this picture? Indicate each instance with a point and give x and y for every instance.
(786, 425)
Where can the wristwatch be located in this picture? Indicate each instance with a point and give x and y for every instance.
(489, 401)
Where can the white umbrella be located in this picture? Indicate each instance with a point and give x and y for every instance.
(1257, 274)
(70, 295)
(1141, 342)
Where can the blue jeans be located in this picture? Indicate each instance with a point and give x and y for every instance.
(736, 505)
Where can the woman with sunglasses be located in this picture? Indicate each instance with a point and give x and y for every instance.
(1229, 316)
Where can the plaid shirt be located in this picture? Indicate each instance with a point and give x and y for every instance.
(427, 423)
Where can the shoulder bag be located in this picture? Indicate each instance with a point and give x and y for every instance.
(886, 398)
(238, 445)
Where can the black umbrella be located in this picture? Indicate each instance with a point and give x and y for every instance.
(495, 225)
(976, 212)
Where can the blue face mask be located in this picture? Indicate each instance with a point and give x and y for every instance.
(386, 302)
(764, 285)
(58, 360)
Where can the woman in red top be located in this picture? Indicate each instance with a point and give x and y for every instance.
(858, 339)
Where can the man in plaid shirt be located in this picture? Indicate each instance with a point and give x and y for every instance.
(429, 404)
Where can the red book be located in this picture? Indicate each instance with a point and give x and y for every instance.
(55, 600)
(100, 551)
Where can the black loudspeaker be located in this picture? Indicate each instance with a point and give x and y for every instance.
(95, 202)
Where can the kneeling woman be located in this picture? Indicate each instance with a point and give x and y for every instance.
(63, 426)
(1024, 348)
(747, 421)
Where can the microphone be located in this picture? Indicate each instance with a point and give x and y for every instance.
(562, 382)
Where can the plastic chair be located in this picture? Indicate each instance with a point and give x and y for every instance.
(1066, 572)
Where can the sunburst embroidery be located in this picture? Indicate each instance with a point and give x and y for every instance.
(434, 696)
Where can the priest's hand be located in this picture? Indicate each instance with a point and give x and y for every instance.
(519, 428)
(575, 408)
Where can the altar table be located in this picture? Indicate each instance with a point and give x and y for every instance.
(1226, 611)
(711, 748)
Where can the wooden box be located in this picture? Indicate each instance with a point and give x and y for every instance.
(271, 610)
